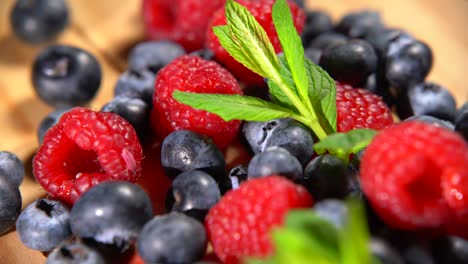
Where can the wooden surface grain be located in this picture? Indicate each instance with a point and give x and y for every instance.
(108, 29)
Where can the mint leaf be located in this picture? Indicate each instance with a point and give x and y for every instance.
(250, 39)
(277, 95)
(344, 144)
(322, 93)
(233, 106)
(354, 238)
(292, 47)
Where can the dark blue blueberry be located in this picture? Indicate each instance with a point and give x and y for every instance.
(427, 99)
(275, 161)
(397, 42)
(172, 238)
(49, 121)
(256, 91)
(417, 254)
(377, 84)
(313, 54)
(194, 193)
(327, 39)
(233, 179)
(11, 168)
(317, 22)
(334, 211)
(326, 176)
(111, 214)
(134, 110)
(450, 249)
(461, 121)
(284, 132)
(431, 120)
(351, 62)
(10, 204)
(461, 125)
(357, 24)
(300, 3)
(66, 76)
(136, 84)
(185, 150)
(380, 38)
(153, 55)
(37, 21)
(73, 251)
(205, 53)
(409, 65)
(382, 250)
(44, 224)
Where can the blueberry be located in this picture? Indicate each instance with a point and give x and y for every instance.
(351, 62)
(334, 211)
(313, 54)
(357, 24)
(111, 214)
(134, 110)
(384, 252)
(461, 125)
(194, 193)
(284, 132)
(432, 120)
(377, 84)
(44, 224)
(73, 251)
(153, 55)
(409, 66)
(256, 91)
(317, 22)
(275, 161)
(380, 38)
(10, 204)
(395, 43)
(327, 39)
(417, 254)
(49, 121)
(326, 176)
(11, 168)
(185, 150)
(233, 179)
(172, 238)
(450, 249)
(66, 76)
(37, 21)
(205, 53)
(136, 84)
(427, 99)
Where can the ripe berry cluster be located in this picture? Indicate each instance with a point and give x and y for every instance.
(149, 179)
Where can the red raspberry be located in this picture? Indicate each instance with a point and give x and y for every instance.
(239, 224)
(193, 74)
(261, 10)
(182, 21)
(416, 176)
(86, 148)
(359, 108)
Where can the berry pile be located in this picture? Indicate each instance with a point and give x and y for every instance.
(354, 157)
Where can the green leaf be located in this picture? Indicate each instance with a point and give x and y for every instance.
(223, 34)
(233, 106)
(322, 94)
(343, 144)
(354, 238)
(250, 40)
(292, 47)
(276, 93)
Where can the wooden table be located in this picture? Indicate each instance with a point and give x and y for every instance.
(108, 29)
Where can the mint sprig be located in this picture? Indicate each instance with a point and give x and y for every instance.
(303, 95)
(308, 238)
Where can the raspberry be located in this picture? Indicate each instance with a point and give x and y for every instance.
(86, 148)
(182, 21)
(359, 108)
(415, 176)
(239, 224)
(192, 74)
(261, 10)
